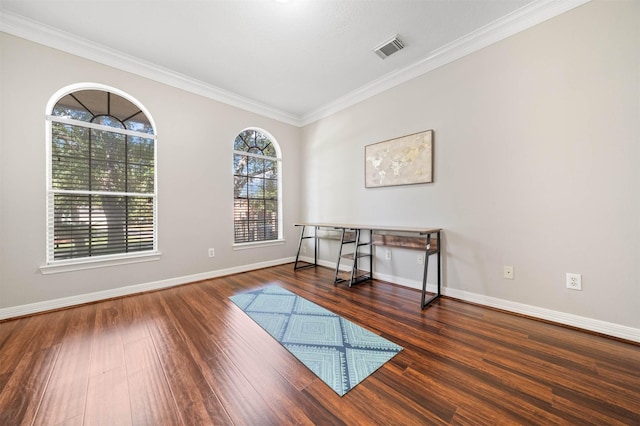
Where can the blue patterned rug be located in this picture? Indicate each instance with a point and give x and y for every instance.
(339, 352)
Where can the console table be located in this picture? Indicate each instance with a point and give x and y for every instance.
(358, 241)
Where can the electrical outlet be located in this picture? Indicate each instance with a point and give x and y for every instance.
(387, 254)
(420, 259)
(304, 249)
(212, 252)
(574, 281)
(507, 272)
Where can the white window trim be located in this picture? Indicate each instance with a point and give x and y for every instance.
(52, 266)
(258, 244)
(278, 158)
(70, 265)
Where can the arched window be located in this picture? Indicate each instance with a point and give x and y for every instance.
(256, 187)
(101, 191)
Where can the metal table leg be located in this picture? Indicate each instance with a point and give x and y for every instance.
(424, 302)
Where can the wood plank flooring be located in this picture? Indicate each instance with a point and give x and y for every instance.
(188, 356)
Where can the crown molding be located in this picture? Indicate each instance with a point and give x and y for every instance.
(520, 20)
(517, 21)
(28, 29)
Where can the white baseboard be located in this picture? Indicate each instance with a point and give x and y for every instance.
(432, 288)
(603, 327)
(611, 329)
(608, 328)
(65, 302)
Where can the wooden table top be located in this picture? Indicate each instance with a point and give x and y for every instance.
(421, 231)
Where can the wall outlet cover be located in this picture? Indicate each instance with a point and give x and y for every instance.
(507, 272)
(574, 281)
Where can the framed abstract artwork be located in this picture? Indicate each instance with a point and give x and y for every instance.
(406, 160)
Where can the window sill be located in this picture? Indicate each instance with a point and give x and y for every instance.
(258, 244)
(98, 262)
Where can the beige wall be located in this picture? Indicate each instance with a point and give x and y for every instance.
(195, 187)
(536, 165)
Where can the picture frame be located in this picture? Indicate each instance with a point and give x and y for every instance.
(407, 160)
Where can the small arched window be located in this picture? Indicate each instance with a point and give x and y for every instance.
(101, 192)
(256, 187)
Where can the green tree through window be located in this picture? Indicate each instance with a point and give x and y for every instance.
(101, 194)
(256, 165)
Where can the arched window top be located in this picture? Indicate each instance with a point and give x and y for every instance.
(258, 142)
(101, 105)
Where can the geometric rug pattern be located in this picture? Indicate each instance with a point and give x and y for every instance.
(339, 352)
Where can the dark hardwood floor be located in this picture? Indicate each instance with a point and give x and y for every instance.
(188, 356)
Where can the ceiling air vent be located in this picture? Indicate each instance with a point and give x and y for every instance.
(389, 47)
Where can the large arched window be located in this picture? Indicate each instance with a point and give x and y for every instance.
(256, 187)
(101, 177)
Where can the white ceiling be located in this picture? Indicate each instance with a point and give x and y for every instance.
(296, 60)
